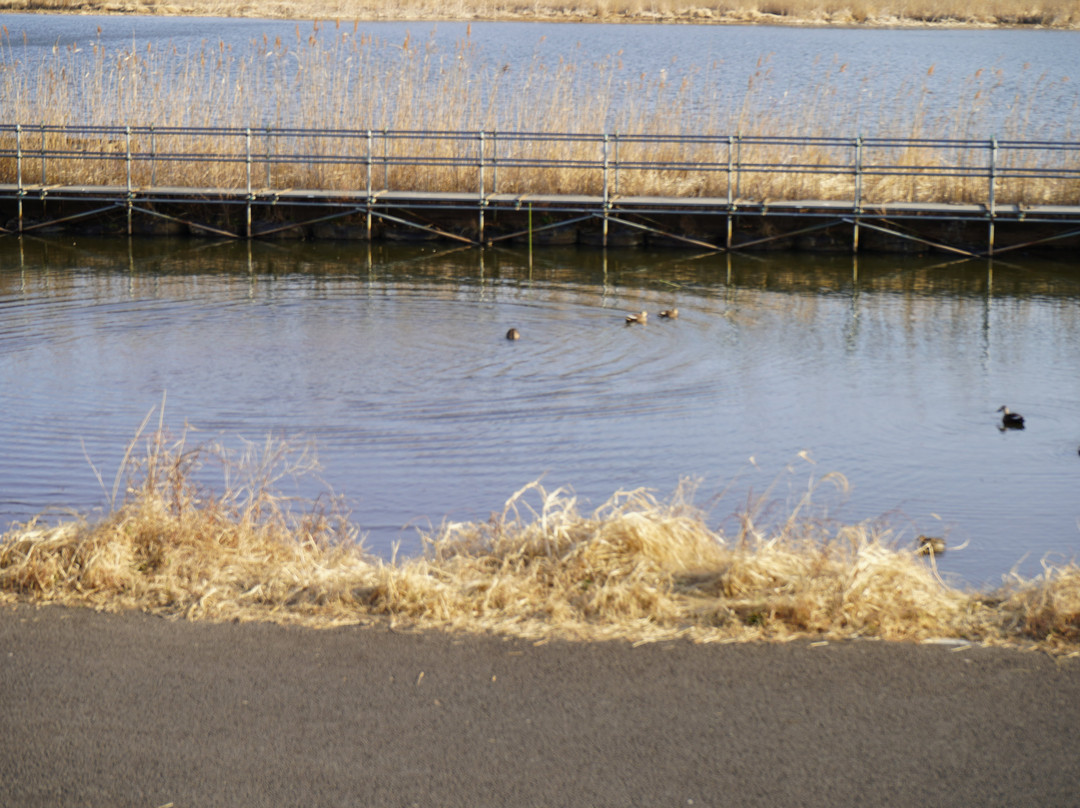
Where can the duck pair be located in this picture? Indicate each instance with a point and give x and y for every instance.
(643, 317)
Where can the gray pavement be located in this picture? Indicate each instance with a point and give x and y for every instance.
(132, 710)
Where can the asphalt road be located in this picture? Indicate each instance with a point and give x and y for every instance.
(131, 710)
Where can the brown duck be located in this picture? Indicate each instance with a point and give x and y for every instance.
(1010, 419)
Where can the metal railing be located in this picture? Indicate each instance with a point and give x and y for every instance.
(856, 182)
(736, 167)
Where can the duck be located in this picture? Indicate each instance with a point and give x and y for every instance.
(640, 317)
(931, 545)
(1010, 419)
(671, 314)
(513, 333)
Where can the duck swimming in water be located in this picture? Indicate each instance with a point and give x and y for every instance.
(641, 317)
(1010, 419)
(671, 314)
(513, 333)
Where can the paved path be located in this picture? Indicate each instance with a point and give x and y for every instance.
(131, 710)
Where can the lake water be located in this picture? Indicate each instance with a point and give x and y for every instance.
(991, 80)
(393, 360)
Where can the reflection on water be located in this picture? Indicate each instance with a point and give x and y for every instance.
(394, 361)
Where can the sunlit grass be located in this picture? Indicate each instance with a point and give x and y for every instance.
(638, 567)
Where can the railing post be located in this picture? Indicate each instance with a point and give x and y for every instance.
(385, 159)
(858, 192)
(269, 184)
(495, 162)
(127, 161)
(18, 171)
(732, 181)
(615, 137)
(43, 180)
(605, 231)
(480, 199)
(370, 158)
(153, 156)
(991, 202)
(247, 176)
(738, 165)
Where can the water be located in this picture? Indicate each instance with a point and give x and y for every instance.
(394, 362)
(993, 76)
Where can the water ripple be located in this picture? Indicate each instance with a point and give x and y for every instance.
(422, 409)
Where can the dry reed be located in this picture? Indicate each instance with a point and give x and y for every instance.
(349, 82)
(637, 568)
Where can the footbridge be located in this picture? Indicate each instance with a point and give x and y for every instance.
(712, 192)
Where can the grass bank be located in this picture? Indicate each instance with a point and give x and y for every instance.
(336, 77)
(989, 13)
(637, 568)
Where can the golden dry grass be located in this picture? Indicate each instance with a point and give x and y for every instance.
(637, 568)
(1043, 13)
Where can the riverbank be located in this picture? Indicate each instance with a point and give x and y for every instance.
(127, 710)
(637, 568)
(858, 13)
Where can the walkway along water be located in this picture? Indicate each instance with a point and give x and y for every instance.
(733, 192)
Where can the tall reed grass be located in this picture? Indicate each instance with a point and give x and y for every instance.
(638, 567)
(347, 81)
(1045, 13)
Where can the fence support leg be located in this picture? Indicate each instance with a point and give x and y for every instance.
(605, 231)
(480, 222)
(18, 171)
(858, 194)
(732, 193)
(247, 161)
(991, 201)
(127, 148)
(370, 146)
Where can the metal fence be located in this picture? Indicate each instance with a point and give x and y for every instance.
(731, 166)
(841, 180)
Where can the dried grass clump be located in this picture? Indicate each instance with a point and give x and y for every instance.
(651, 569)
(637, 568)
(1046, 609)
(174, 548)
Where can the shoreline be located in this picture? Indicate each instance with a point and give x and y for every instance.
(329, 10)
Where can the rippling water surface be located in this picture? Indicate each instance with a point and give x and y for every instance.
(394, 362)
